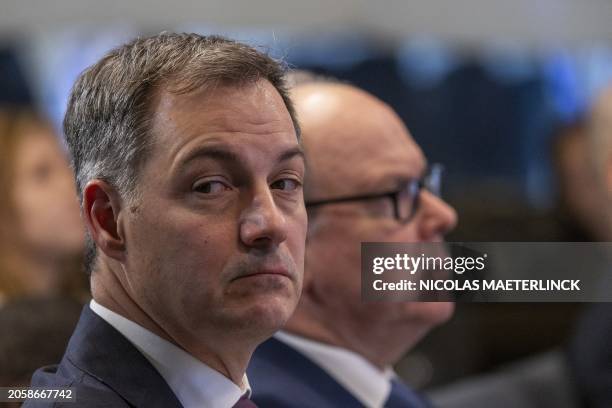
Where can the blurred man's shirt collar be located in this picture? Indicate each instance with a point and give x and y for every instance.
(363, 380)
(194, 383)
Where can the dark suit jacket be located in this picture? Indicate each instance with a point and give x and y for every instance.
(281, 377)
(590, 356)
(105, 369)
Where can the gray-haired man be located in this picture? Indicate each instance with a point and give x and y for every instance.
(190, 176)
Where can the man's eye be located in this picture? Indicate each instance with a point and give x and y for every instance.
(286, 184)
(211, 187)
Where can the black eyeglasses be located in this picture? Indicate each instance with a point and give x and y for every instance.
(405, 200)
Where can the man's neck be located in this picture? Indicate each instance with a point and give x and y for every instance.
(375, 344)
(108, 291)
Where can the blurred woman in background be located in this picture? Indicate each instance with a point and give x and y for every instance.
(41, 233)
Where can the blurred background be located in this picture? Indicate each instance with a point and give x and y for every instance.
(499, 92)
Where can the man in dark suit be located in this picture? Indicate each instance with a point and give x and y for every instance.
(189, 171)
(365, 183)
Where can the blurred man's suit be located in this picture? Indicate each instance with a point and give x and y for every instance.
(277, 366)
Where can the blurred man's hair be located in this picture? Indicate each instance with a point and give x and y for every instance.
(108, 119)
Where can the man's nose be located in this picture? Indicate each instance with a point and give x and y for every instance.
(262, 222)
(437, 218)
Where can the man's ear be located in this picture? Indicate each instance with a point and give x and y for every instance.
(101, 207)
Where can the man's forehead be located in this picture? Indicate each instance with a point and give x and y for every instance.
(224, 113)
(358, 144)
(181, 133)
(227, 107)
(360, 168)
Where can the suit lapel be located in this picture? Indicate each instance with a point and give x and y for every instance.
(104, 353)
(306, 372)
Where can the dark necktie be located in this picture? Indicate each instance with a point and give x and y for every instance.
(403, 397)
(244, 402)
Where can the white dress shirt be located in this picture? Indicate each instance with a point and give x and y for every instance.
(194, 383)
(366, 382)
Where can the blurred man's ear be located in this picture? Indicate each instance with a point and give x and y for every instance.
(102, 207)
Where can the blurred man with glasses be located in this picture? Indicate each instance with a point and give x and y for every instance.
(368, 181)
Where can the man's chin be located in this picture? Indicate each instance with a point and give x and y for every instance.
(429, 314)
(435, 313)
(268, 313)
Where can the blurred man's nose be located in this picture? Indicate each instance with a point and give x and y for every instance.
(262, 223)
(436, 217)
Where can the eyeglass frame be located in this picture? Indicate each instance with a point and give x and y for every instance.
(415, 186)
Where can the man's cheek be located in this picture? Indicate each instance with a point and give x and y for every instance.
(298, 230)
(194, 235)
(297, 249)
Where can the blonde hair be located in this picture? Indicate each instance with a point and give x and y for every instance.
(14, 124)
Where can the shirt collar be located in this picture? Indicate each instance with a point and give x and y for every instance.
(194, 383)
(370, 385)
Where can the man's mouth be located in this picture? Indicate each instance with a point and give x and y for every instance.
(266, 271)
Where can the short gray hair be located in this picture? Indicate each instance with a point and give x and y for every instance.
(107, 122)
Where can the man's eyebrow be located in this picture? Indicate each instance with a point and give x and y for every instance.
(291, 153)
(399, 180)
(210, 152)
(425, 168)
(227, 155)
